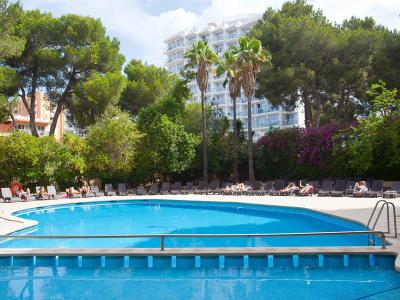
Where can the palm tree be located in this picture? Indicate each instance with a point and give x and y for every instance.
(251, 57)
(202, 58)
(229, 65)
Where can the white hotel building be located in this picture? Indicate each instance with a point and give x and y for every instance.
(220, 38)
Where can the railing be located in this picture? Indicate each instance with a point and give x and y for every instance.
(162, 237)
(384, 204)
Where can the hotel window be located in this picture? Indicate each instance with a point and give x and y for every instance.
(179, 43)
(219, 36)
(218, 48)
(232, 34)
(191, 40)
(179, 55)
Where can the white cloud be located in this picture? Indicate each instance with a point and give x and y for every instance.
(142, 34)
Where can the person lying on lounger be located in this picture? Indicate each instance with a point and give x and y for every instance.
(290, 188)
(306, 189)
(240, 187)
(360, 187)
(17, 189)
(228, 189)
(42, 193)
(71, 191)
(84, 189)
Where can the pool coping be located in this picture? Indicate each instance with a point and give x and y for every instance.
(345, 208)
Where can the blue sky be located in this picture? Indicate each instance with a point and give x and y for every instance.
(142, 25)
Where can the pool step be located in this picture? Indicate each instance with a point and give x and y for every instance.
(206, 261)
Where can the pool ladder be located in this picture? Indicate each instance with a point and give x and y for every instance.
(377, 214)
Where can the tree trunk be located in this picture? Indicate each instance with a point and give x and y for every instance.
(13, 123)
(204, 133)
(307, 111)
(55, 119)
(235, 144)
(340, 107)
(59, 107)
(318, 113)
(250, 141)
(32, 105)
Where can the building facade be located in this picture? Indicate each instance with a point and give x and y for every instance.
(220, 37)
(43, 120)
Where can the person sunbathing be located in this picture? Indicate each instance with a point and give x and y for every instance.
(306, 189)
(228, 189)
(84, 189)
(290, 188)
(42, 193)
(360, 187)
(17, 189)
(71, 192)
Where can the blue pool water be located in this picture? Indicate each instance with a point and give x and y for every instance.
(229, 283)
(308, 277)
(152, 217)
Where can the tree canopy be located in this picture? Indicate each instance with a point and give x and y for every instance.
(145, 84)
(60, 55)
(327, 67)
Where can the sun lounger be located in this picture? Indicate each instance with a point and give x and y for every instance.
(376, 189)
(314, 184)
(349, 187)
(362, 194)
(8, 197)
(213, 188)
(95, 190)
(122, 190)
(201, 188)
(176, 188)
(164, 188)
(188, 188)
(326, 188)
(153, 189)
(339, 188)
(140, 190)
(287, 193)
(108, 190)
(249, 185)
(278, 185)
(256, 189)
(268, 186)
(51, 190)
(227, 188)
(225, 185)
(394, 190)
(40, 197)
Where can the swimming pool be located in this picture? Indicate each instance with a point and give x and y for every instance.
(198, 276)
(182, 217)
(357, 280)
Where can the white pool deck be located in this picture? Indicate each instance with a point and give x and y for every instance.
(356, 209)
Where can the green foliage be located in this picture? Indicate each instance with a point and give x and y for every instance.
(20, 156)
(166, 147)
(60, 56)
(146, 84)
(92, 97)
(41, 161)
(111, 146)
(277, 154)
(174, 148)
(327, 66)
(372, 147)
(200, 54)
(10, 44)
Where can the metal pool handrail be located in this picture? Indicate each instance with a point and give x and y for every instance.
(162, 237)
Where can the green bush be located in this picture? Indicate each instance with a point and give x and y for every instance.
(41, 161)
